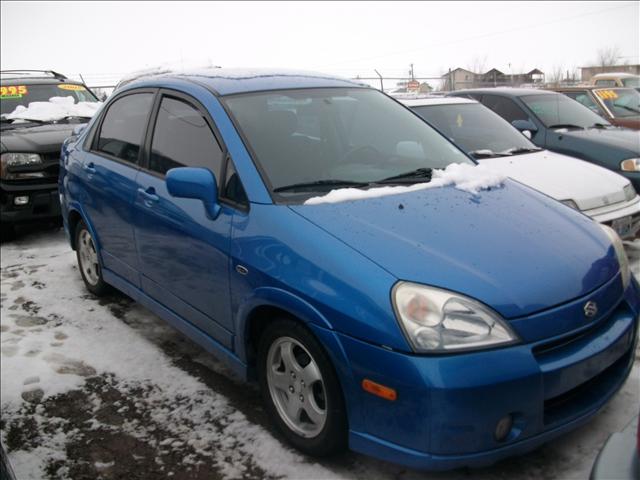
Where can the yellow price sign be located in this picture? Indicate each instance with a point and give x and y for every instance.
(74, 88)
(13, 91)
(607, 94)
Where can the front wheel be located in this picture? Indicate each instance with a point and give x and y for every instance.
(300, 389)
(88, 261)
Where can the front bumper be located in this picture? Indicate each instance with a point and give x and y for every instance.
(623, 215)
(448, 406)
(43, 203)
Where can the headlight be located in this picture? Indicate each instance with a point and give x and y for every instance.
(630, 165)
(629, 192)
(623, 261)
(570, 203)
(17, 160)
(437, 321)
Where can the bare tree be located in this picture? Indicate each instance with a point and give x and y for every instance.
(477, 64)
(555, 76)
(608, 56)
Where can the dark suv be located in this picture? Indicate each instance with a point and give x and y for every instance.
(32, 135)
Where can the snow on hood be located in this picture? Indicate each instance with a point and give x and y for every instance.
(56, 108)
(469, 178)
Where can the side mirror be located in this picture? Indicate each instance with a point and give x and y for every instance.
(198, 183)
(78, 129)
(527, 127)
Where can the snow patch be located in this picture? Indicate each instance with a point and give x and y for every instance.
(56, 108)
(469, 178)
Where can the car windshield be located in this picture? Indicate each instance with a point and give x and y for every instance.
(475, 128)
(633, 82)
(558, 110)
(325, 138)
(17, 94)
(621, 102)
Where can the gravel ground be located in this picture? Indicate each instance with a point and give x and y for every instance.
(103, 389)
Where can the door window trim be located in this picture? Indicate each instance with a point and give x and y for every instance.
(94, 135)
(143, 158)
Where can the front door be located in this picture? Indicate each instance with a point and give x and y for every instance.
(184, 255)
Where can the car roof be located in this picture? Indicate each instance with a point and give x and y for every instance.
(577, 88)
(505, 91)
(614, 75)
(224, 81)
(426, 101)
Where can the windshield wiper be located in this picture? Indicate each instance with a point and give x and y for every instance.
(485, 153)
(520, 150)
(626, 107)
(418, 173)
(566, 125)
(320, 183)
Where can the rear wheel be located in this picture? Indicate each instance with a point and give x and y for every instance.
(300, 389)
(88, 261)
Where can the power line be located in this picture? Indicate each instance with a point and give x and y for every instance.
(475, 37)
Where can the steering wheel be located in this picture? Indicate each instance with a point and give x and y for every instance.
(365, 154)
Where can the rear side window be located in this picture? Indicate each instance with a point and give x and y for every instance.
(504, 107)
(182, 138)
(606, 83)
(124, 125)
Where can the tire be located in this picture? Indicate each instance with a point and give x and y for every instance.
(310, 414)
(88, 261)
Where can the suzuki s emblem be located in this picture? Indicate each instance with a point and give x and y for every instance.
(590, 309)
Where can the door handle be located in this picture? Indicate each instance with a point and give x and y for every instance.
(149, 196)
(90, 167)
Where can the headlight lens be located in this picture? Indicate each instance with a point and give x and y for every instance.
(570, 203)
(629, 192)
(623, 261)
(17, 160)
(630, 165)
(437, 321)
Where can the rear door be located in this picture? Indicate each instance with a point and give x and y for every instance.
(110, 168)
(184, 255)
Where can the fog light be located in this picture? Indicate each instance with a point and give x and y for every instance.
(503, 428)
(21, 200)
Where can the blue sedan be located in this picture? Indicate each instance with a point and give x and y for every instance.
(385, 292)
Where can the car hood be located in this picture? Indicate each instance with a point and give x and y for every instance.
(563, 177)
(622, 139)
(36, 139)
(513, 249)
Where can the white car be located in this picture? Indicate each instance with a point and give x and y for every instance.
(597, 192)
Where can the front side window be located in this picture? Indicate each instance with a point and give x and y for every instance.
(124, 125)
(633, 82)
(505, 107)
(182, 138)
(355, 135)
(621, 102)
(560, 111)
(474, 128)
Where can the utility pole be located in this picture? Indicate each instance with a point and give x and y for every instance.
(411, 71)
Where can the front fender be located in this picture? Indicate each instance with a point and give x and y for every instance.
(278, 298)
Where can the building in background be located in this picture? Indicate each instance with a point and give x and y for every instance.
(461, 78)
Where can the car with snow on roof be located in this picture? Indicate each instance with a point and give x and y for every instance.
(39, 110)
(387, 293)
(597, 192)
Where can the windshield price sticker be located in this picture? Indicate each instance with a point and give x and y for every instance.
(607, 94)
(13, 91)
(74, 88)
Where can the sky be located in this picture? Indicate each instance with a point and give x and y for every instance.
(105, 40)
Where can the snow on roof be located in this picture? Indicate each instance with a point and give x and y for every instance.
(56, 108)
(469, 178)
(419, 102)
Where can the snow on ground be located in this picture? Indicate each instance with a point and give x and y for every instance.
(56, 108)
(102, 388)
(469, 178)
